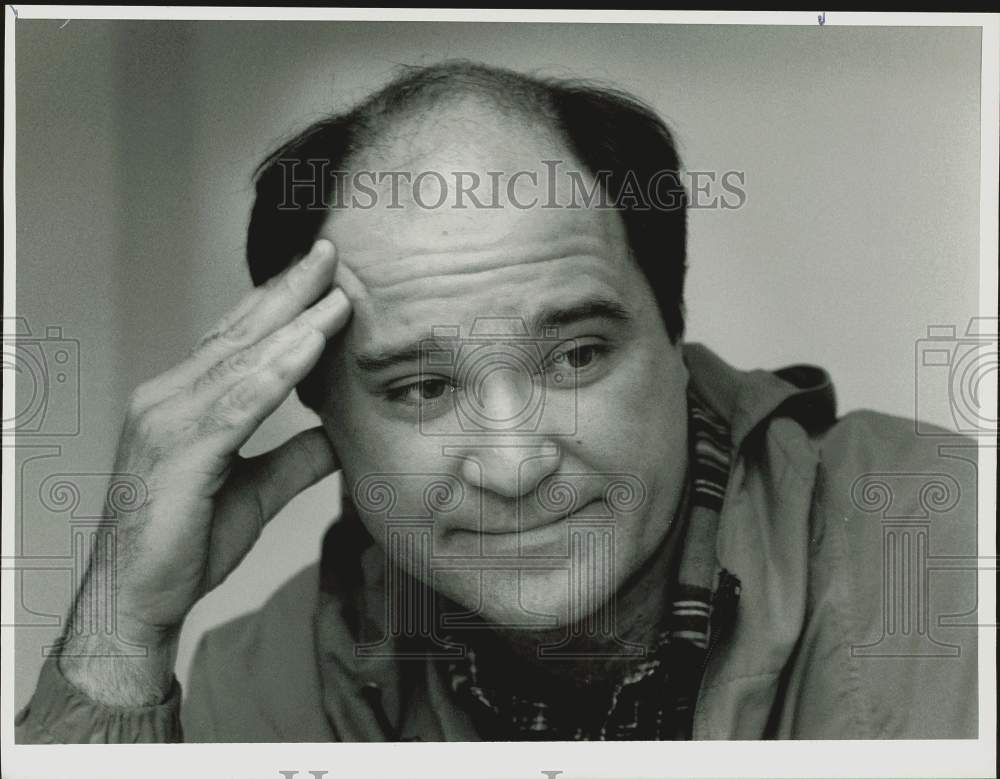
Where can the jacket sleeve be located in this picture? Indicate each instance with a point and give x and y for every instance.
(58, 713)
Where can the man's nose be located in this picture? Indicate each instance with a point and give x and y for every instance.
(512, 460)
(507, 466)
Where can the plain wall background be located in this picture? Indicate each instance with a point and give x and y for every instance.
(136, 141)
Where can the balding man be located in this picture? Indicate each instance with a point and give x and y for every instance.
(560, 521)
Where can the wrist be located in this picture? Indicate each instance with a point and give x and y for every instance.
(114, 673)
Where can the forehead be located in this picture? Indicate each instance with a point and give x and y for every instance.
(437, 258)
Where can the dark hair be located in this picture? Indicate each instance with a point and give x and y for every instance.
(613, 134)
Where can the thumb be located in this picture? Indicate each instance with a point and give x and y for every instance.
(258, 489)
(279, 475)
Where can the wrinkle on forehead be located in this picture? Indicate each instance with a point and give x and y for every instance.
(481, 272)
(421, 265)
(511, 286)
(394, 315)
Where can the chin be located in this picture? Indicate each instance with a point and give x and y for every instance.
(534, 601)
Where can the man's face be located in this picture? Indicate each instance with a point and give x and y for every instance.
(506, 389)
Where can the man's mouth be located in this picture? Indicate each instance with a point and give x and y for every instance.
(526, 525)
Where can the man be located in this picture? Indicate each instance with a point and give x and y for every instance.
(560, 522)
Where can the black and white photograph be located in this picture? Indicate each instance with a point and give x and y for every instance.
(477, 384)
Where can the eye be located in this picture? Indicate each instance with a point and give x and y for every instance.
(577, 357)
(419, 391)
(575, 363)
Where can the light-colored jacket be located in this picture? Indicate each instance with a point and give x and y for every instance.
(855, 543)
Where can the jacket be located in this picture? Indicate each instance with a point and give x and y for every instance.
(854, 540)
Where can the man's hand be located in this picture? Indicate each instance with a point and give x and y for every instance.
(207, 505)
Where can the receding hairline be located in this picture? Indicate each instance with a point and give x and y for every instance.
(472, 110)
(606, 127)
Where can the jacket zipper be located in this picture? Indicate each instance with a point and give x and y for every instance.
(723, 614)
(724, 604)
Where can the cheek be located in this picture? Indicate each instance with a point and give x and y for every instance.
(366, 443)
(637, 426)
(388, 468)
(636, 416)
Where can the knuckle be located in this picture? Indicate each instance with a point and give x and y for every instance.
(214, 374)
(236, 334)
(309, 459)
(290, 284)
(304, 333)
(146, 459)
(239, 332)
(241, 362)
(207, 424)
(237, 364)
(270, 378)
(148, 425)
(288, 338)
(222, 416)
(293, 332)
(207, 341)
(236, 404)
(267, 472)
(149, 441)
(287, 367)
(154, 454)
(241, 397)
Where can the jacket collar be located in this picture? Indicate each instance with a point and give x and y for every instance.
(748, 398)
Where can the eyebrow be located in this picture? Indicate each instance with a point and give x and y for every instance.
(557, 316)
(591, 308)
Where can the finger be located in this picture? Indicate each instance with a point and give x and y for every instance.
(220, 428)
(259, 488)
(348, 280)
(279, 475)
(282, 298)
(261, 313)
(231, 317)
(327, 317)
